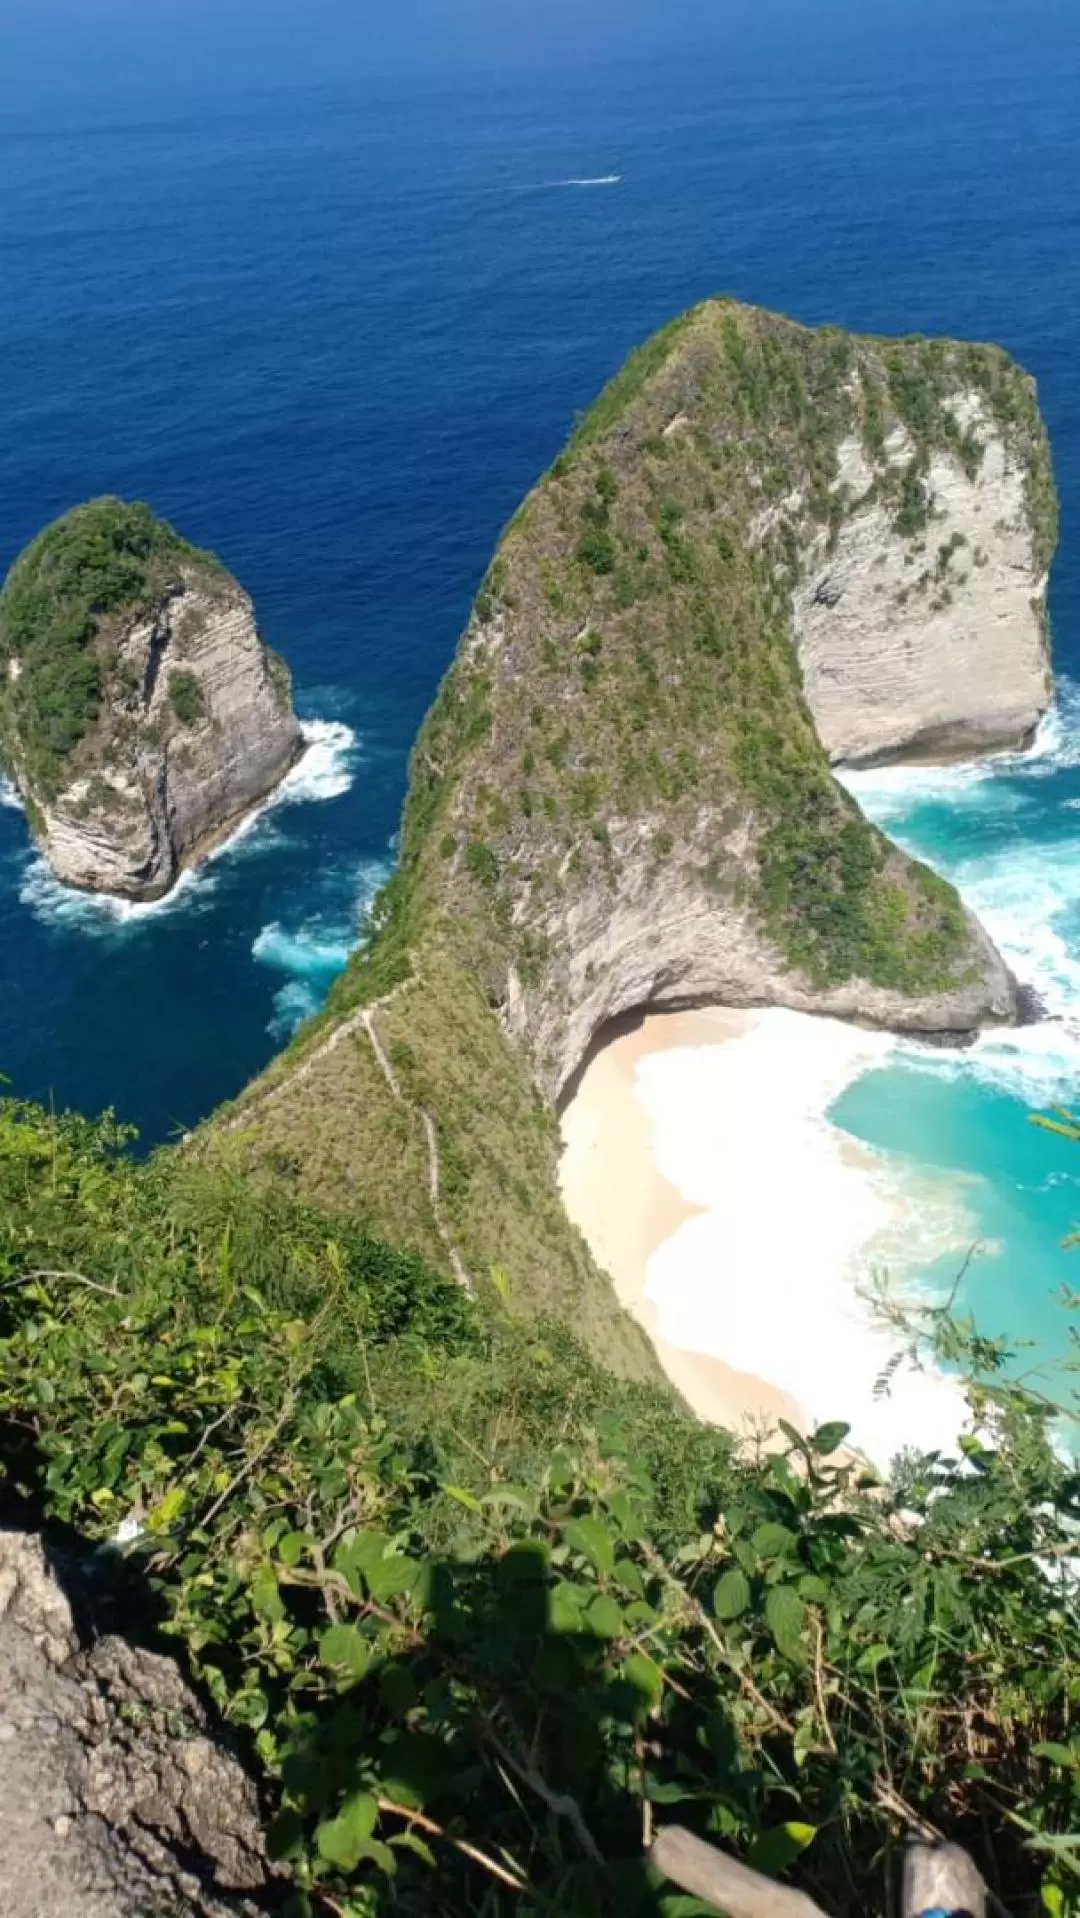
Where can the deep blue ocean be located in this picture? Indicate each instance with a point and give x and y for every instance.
(329, 297)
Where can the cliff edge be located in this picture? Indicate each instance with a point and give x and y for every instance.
(141, 716)
(622, 797)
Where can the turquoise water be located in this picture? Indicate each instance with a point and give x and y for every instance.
(1008, 833)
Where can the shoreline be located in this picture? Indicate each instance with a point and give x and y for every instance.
(626, 1209)
(737, 1221)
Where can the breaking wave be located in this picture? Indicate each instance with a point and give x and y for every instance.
(311, 954)
(1012, 849)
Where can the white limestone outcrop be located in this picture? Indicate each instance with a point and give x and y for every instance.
(932, 647)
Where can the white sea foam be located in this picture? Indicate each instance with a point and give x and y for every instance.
(328, 766)
(796, 1216)
(312, 954)
(325, 769)
(599, 179)
(9, 795)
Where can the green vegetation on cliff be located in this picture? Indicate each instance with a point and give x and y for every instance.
(60, 608)
(622, 744)
(482, 1617)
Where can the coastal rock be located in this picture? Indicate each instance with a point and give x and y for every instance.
(140, 746)
(935, 647)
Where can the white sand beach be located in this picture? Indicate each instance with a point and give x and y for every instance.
(738, 1223)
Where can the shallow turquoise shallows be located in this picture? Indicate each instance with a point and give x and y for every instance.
(1008, 834)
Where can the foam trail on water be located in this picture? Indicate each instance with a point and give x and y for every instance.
(326, 769)
(328, 766)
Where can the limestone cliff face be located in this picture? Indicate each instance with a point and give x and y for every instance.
(117, 1799)
(663, 944)
(765, 549)
(939, 653)
(141, 747)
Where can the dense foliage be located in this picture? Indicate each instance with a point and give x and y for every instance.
(58, 606)
(484, 1615)
(186, 696)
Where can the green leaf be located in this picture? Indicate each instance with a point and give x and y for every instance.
(411, 1841)
(265, 1596)
(813, 1589)
(604, 1616)
(464, 1497)
(772, 1540)
(628, 1574)
(774, 1850)
(874, 1656)
(1053, 1900)
(516, 1495)
(342, 1841)
(344, 1648)
(566, 1605)
(353, 1556)
(732, 1594)
(785, 1615)
(250, 1707)
(829, 1438)
(591, 1538)
(170, 1508)
(292, 1547)
(646, 1678)
(1068, 1755)
(392, 1577)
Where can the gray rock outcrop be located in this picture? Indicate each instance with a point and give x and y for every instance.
(664, 945)
(115, 1802)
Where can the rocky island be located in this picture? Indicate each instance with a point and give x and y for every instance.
(141, 716)
(765, 549)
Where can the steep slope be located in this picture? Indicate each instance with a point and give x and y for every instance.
(620, 799)
(141, 716)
